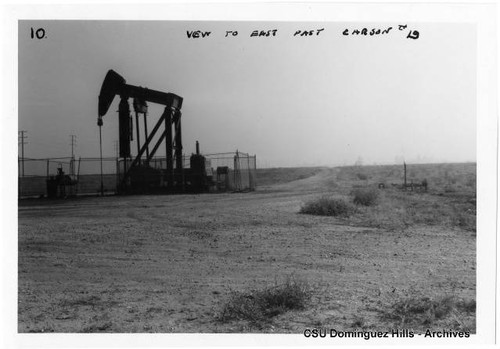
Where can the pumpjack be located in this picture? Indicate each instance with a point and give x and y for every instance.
(137, 174)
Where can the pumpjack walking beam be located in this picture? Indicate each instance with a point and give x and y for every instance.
(113, 85)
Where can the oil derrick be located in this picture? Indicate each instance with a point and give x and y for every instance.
(138, 175)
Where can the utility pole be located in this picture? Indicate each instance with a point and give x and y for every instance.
(22, 136)
(73, 143)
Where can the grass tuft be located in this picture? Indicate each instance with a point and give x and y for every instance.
(260, 306)
(327, 206)
(365, 196)
(422, 312)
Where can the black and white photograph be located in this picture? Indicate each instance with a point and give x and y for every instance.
(320, 177)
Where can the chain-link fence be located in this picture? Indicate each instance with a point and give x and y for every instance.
(233, 171)
(226, 172)
(81, 176)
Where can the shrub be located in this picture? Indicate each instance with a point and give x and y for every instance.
(259, 306)
(425, 311)
(365, 196)
(465, 220)
(327, 206)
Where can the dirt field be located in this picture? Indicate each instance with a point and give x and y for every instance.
(171, 263)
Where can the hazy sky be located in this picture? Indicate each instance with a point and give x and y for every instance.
(325, 99)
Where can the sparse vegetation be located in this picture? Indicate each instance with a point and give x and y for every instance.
(327, 206)
(362, 176)
(466, 220)
(422, 312)
(260, 306)
(82, 301)
(393, 208)
(101, 327)
(365, 196)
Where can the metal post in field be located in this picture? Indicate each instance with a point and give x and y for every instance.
(404, 163)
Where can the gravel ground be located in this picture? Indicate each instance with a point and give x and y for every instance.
(170, 263)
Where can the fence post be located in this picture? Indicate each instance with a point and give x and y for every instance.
(254, 172)
(117, 173)
(78, 175)
(237, 173)
(248, 170)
